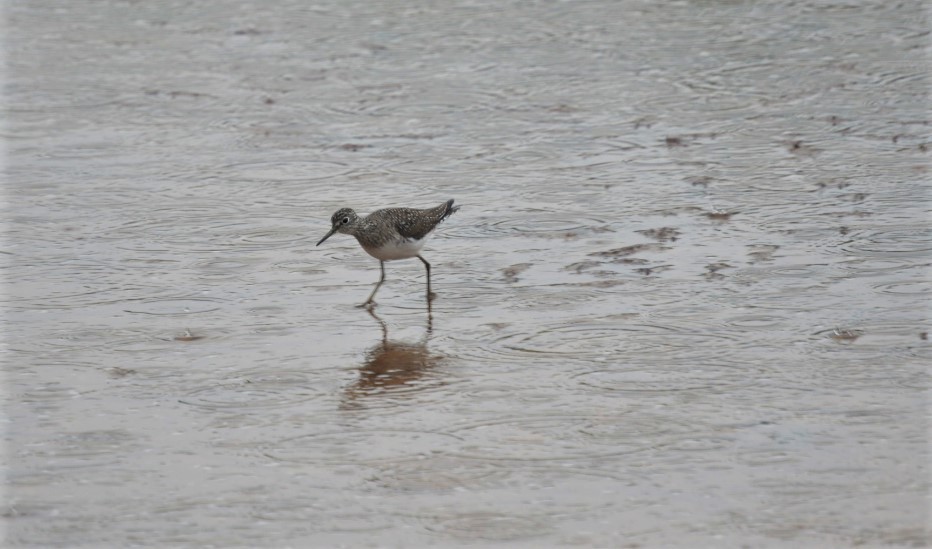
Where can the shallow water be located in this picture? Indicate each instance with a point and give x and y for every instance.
(684, 302)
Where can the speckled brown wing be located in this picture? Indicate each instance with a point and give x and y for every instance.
(416, 224)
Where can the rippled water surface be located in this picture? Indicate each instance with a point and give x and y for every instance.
(684, 302)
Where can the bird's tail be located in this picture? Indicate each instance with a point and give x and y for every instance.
(450, 210)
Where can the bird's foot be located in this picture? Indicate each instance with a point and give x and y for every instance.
(367, 305)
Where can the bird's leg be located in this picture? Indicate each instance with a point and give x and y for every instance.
(430, 294)
(381, 280)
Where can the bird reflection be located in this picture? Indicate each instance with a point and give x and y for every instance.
(392, 368)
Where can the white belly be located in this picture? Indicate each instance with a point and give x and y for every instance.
(397, 249)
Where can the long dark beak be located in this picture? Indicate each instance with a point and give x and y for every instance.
(333, 230)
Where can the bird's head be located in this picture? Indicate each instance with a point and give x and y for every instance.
(341, 221)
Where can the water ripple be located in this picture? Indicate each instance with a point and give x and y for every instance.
(562, 437)
(262, 390)
(893, 242)
(489, 525)
(656, 378)
(360, 446)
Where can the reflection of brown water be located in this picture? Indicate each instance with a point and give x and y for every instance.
(392, 366)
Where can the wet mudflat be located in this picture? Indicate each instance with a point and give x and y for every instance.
(685, 301)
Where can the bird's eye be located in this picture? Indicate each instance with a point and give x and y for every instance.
(345, 220)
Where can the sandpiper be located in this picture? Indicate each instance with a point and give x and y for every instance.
(391, 233)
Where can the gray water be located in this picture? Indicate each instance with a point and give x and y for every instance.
(684, 304)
